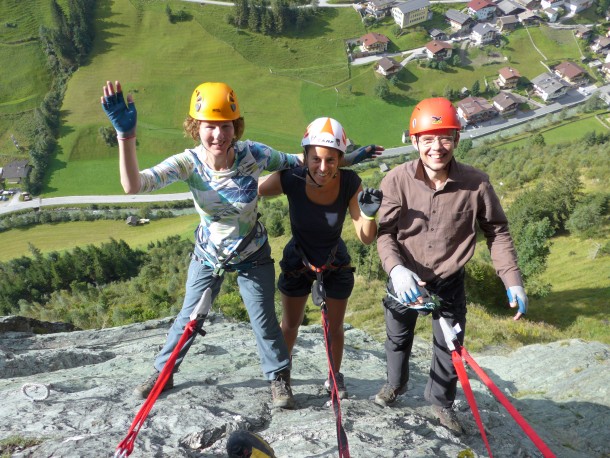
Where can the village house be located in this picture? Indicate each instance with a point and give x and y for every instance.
(458, 20)
(17, 171)
(411, 12)
(481, 10)
(528, 17)
(387, 66)
(439, 50)
(583, 32)
(483, 33)
(605, 69)
(380, 8)
(508, 7)
(528, 5)
(475, 109)
(576, 6)
(552, 14)
(601, 45)
(571, 73)
(544, 4)
(507, 23)
(437, 34)
(549, 86)
(508, 78)
(374, 42)
(506, 103)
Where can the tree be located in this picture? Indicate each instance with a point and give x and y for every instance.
(382, 89)
(587, 219)
(456, 60)
(475, 90)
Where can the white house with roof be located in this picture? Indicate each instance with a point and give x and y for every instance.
(481, 9)
(411, 12)
(549, 86)
(576, 6)
(483, 33)
(544, 4)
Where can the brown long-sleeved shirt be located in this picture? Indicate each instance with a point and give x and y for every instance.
(433, 233)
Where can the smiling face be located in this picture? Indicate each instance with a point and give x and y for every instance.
(435, 149)
(216, 136)
(323, 163)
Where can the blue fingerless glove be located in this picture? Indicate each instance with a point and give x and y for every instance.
(122, 116)
(517, 294)
(369, 201)
(361, 154)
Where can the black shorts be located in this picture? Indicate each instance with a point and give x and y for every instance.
(295, 280)
(338, 283)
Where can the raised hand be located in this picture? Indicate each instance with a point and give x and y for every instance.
(123, 116)
(369, 201)
(363, 153)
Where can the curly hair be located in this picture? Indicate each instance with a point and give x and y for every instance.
(191, 128)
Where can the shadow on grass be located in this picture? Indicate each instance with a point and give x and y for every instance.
(562, 309)
(102, 31)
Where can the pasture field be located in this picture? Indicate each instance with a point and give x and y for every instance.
(554, 135)
(282, 82)
(67, 236)
(24, 78)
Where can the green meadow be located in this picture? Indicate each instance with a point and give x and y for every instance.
(282, 82)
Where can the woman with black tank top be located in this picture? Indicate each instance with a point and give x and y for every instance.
(319, 196)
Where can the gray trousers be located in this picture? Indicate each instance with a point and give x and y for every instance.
(400, 331)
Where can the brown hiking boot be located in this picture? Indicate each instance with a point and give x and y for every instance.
(448, 418)
(144, 389)
(387, 395)
(281, 391)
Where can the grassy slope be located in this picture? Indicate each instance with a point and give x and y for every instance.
(23, 74)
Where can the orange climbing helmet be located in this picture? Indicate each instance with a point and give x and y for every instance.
(433, 114)
(214, 102)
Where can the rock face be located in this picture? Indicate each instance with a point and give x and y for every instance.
(561, 389)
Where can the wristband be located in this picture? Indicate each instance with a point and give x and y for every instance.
(125, 138)
(370, 218)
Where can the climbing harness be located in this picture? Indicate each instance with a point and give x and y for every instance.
(318, 297)
(35, 392)
(197, 317)
(430, 304)
(458, 352)
(223, 266)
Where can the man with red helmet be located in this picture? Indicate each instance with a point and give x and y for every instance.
(427, 232)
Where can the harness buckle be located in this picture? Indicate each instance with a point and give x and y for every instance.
(219, 270)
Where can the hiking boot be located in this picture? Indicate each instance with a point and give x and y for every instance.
(281, 391)
(387, 395)
(448, 418)
(341, 390)
(145, 388)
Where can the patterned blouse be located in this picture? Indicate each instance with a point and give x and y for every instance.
(225, 200)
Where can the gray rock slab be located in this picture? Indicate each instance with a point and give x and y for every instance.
(561, 389)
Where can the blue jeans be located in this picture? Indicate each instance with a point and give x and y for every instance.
(257, 289)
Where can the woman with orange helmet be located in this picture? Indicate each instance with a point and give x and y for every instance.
(222, 174)
(319, 195)
(428, 223)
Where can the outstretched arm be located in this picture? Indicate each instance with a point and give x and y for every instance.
(270, 185)
(361, 154)
(123, 117)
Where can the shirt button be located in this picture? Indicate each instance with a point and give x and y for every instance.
(433, 211)
(429, 246)
(432, 229)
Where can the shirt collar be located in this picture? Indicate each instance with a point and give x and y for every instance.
(454, 170)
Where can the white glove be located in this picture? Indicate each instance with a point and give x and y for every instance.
(407, 285)
(516, 296)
